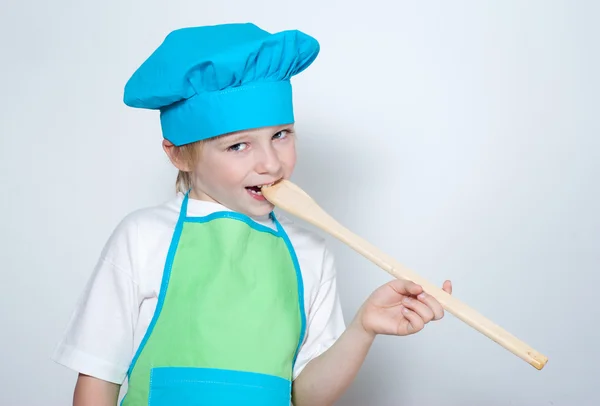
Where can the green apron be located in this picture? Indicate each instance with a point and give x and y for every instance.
(229, 320)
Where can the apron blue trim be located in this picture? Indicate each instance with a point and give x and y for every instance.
(280, 232)
(170, 386)
(300, 282)
(234, 216)
(164, 283)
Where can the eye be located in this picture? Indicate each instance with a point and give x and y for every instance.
(281, 134)
(237, 147)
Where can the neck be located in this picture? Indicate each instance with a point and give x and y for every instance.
(203, 197)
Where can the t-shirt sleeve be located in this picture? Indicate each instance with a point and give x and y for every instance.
(98, 340)
(325, 321)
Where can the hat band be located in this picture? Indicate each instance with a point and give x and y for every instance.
(211, 114)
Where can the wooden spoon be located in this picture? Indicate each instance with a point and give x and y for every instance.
(291, 198)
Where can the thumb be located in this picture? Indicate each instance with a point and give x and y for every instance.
(447, 287)
(405, 287)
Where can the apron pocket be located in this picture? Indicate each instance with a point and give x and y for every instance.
(187, 386)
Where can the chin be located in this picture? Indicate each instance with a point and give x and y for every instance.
(259, 210)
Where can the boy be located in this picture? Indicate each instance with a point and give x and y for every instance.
(210, 298)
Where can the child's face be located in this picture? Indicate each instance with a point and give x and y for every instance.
(231, 168)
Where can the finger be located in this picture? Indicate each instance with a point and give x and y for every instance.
(415, 322)
(447, 286)
(432, 304)
(422, 309)
(405, 287)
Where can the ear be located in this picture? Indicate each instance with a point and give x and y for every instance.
(174, 155)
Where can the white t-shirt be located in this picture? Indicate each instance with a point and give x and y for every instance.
(119, 300)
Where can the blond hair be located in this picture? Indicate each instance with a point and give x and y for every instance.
(188, 156)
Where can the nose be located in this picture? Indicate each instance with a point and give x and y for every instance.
(268, 162)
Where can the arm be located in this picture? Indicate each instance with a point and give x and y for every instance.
(326, 378)
(99, 339)
(397, 308)
(90, 391)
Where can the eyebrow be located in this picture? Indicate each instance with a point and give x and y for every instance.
(232, 139)
(235, 139)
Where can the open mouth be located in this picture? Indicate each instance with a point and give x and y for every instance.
(256, 190)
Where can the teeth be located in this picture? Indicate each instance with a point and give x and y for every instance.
(256, 193)
(261, 186)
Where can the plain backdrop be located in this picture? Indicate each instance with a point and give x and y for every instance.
(460, 137)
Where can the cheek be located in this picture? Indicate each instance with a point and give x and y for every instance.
(216, 174)
(287, 156)
(291, 161)
(228, 173)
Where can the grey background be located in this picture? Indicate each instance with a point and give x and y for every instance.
(459, 137)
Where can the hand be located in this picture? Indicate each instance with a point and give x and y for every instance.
(400, 308)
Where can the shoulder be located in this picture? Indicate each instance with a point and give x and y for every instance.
(299, 231)
(166, 212)
(138, 233)
(311, 248)
(147, 220)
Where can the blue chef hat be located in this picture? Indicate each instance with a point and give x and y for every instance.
(212, 80)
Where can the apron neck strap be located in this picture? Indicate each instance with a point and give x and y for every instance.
(184, 206)
(184, 209)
